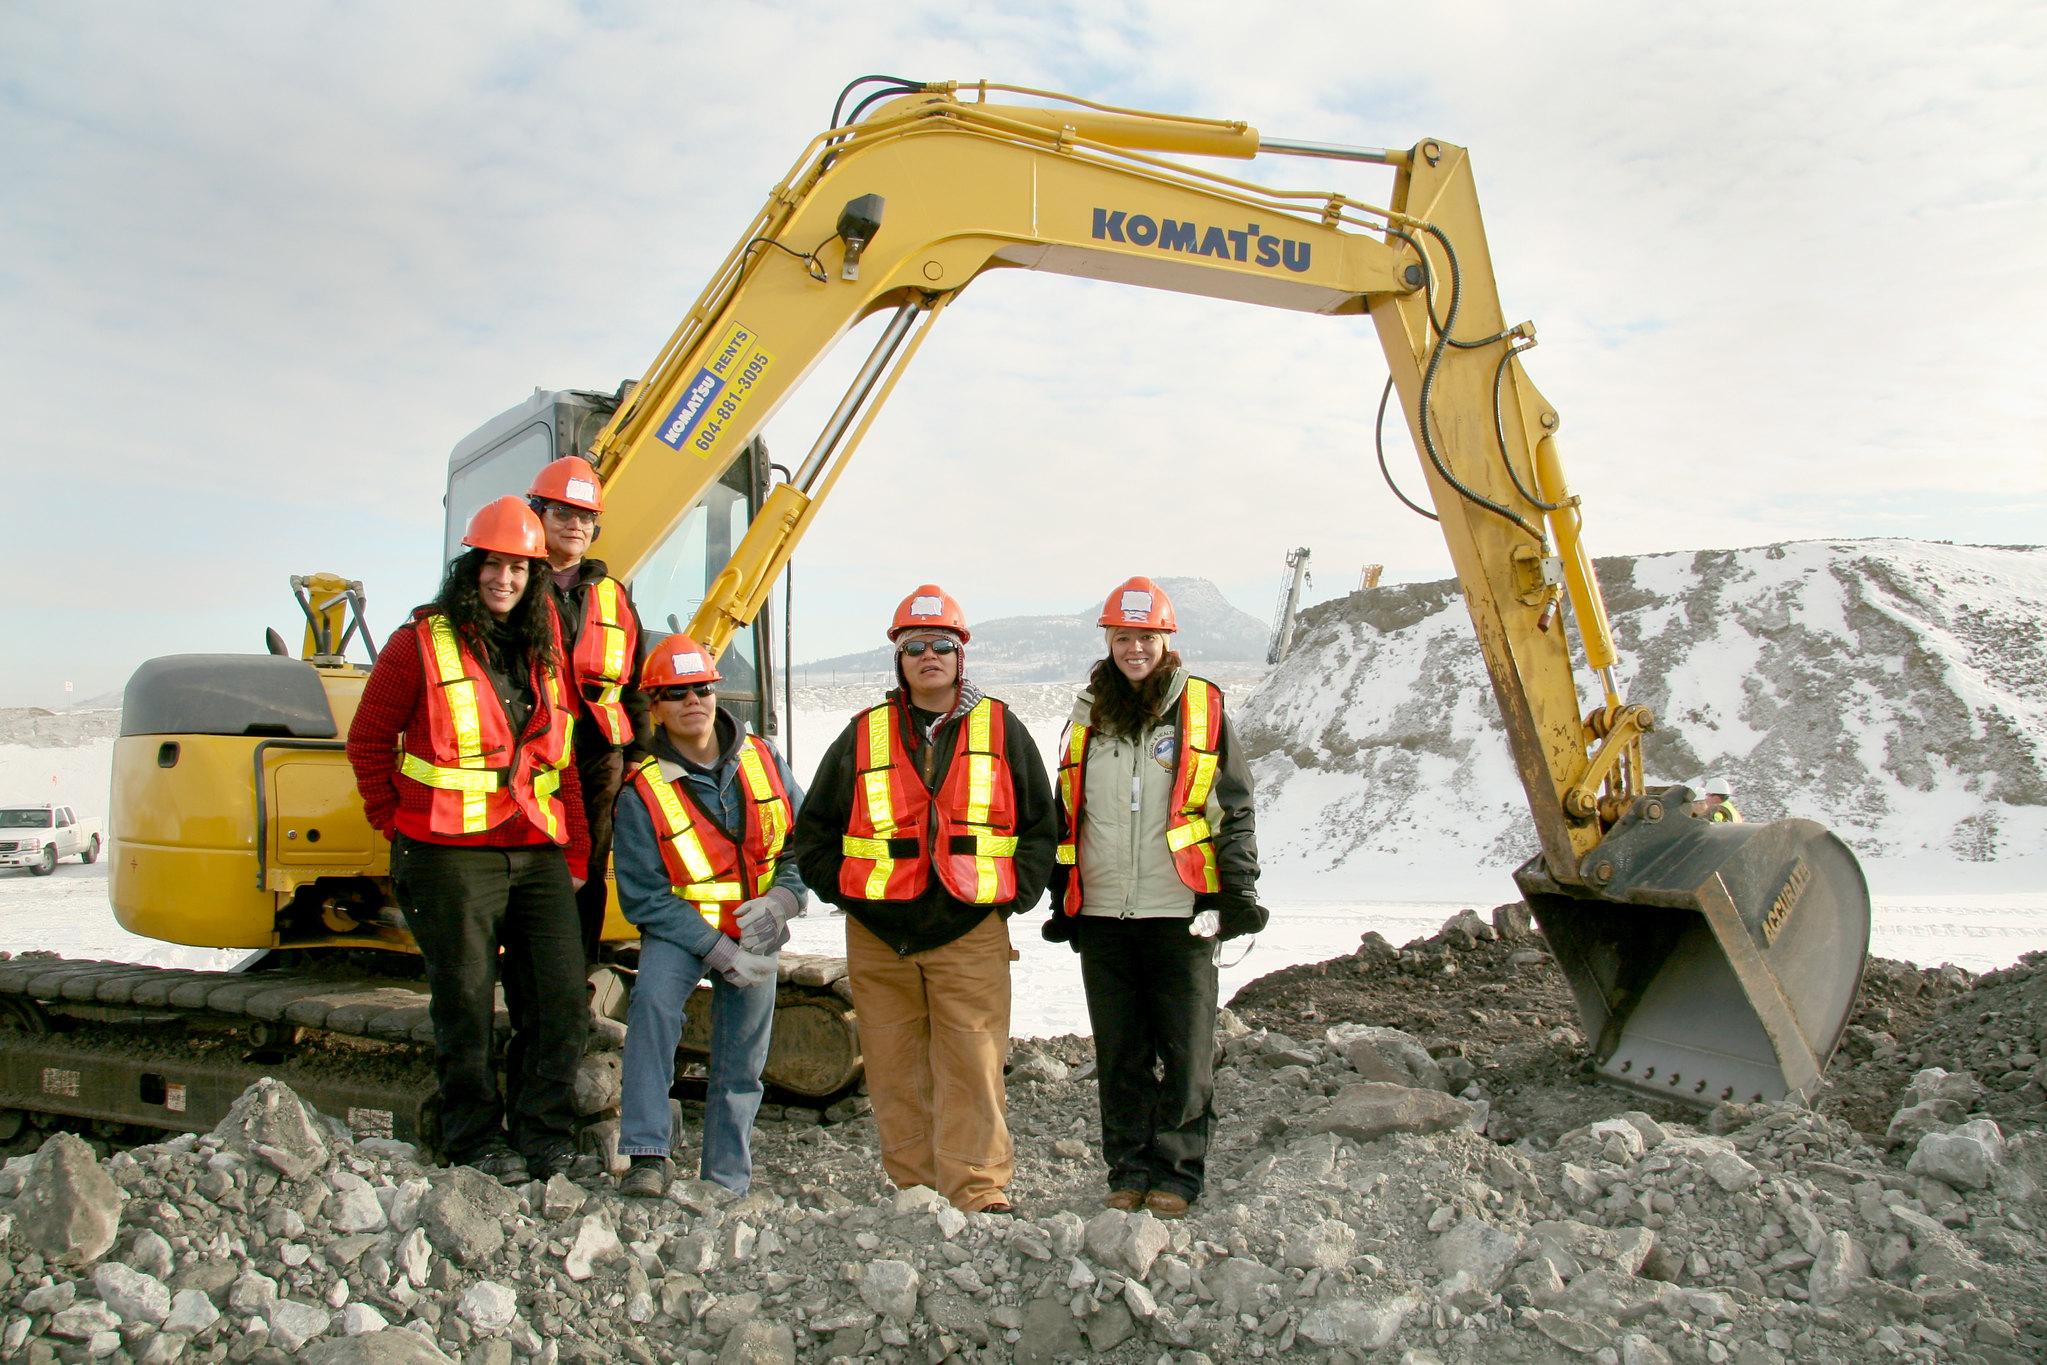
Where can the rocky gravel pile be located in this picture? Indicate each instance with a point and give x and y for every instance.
(1362, 1205)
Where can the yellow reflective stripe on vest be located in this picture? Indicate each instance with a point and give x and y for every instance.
(1193, 831)
(450, 779)
(880, 805)
(605, 599)
(719, 892)
(459, 689)
(682, 835)
(773, 814)
(1204, 778)
(981, 795)
(1070, 776)
(863, 848)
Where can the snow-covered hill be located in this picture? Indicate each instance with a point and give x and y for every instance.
(1894, 690)
(1223, 640)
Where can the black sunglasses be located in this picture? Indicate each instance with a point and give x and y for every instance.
(916, 647)
(677, 693)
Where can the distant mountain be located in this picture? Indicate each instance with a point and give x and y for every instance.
(1893, 690)
(1213, 635)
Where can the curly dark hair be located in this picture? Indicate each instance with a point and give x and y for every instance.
(1121, 708)
(526, 634)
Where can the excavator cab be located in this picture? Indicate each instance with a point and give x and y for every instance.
(504, 454)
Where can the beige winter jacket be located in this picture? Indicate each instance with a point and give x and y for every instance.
(1126, 870)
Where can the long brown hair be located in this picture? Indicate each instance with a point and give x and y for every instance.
(1125, 708)
(528, 634)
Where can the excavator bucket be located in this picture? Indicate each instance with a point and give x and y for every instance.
(1710, 962)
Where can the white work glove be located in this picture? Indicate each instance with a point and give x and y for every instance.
(1205, 924)
(752, 969)
(763, 920)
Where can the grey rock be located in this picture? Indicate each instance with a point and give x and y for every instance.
(959, 1315)
(1513, 920)
(83, 1320)
(151, 1255)
(1322, 1245)
(1126, 1241)
(759, 1343)
(1915, 1121)
(359, 1318)
(1573, 1335)
(1109, 1328)
(1966, 1158)
(1387, 1055)
(1358, 1323)
(1806, 1227)
(392, 1346)
(1637, 1349)
(1048, 1331)
(135, 1296)
(1730, 1171)
(293, 1324)
(599, 1082)
(54, 1297)
(487, 1306)
(406, 1204)
(356, 1210)
(1374, 1109)
(1479, 1249)
(594, 1244)
(727, 1313)
(268, 1122)
(415, 1257)
(1038, 1067)
(463, 1216)
(1651, 1131)
(489, 1351)
(252, 1294)
(563, 1197)
(915, 1199)
(889, 1287)
(69, 1210)
(1840, 1265)
(1235, 1282)
(1066, 1232)
(191, 1312)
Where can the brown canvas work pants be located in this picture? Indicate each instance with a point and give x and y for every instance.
(934, 1030)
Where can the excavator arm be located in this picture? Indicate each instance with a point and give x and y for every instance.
(1709, 962)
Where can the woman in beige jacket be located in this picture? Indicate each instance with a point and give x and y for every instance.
(1158, 858)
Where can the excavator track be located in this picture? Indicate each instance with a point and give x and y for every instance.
(121, 1044)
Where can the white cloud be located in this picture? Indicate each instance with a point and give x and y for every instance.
(264, 267)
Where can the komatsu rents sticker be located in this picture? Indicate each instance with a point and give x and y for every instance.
(711, 400)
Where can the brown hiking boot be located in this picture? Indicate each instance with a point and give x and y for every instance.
(1130, 1201)
(1165, 1204)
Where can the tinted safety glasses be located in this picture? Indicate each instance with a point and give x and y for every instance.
(915, 647)
(679, 692)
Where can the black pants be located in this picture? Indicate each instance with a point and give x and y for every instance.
(602, 773)
(465, 905)
(1151, 989)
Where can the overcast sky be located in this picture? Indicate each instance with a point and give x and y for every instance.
(261, 266)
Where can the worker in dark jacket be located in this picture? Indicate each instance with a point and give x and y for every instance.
(706, 874)
(601, 635)
(1159, 858)
(930, 822)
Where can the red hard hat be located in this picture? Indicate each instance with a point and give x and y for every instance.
(930, 607)
(508, 526)
(571, 480)
(677, 661)
(1140, 604)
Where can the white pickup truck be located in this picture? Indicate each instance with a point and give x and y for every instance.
(35, 837)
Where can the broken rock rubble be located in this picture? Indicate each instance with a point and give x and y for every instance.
(1758, 1233)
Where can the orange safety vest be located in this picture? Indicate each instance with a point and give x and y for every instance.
(604, 656)
(970, 826)
(1187, 832)
(705, 867)
(481, 774)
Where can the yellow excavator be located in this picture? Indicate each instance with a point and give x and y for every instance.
(1709, 961)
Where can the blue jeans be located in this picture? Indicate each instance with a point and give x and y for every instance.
(741, 1021)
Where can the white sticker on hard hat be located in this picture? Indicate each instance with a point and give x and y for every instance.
(927, 606)
(584, 489)
(686, 663)
(1136, 605)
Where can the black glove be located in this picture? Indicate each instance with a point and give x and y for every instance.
(1061, 927)
(1240, 914)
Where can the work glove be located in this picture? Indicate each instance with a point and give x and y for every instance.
(1239, 915)
(764, 920)
(1204, 924)
(751, 969)
(1062, 928)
